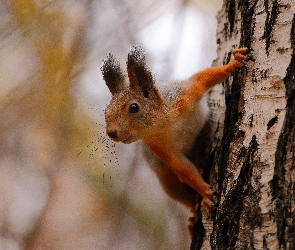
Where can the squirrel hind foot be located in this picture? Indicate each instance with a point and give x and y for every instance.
(190, 227)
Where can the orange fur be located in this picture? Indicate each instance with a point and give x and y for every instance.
(168, 127)
(182, 167)
(208, 78)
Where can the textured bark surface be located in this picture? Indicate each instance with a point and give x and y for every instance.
(253, 141)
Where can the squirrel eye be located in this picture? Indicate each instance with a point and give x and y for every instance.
(133, 108)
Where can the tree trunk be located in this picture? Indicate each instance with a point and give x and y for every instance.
(253, 137)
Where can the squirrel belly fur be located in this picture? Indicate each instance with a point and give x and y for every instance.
(167, 120)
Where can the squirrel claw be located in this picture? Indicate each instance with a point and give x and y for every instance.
(239, 59)
(239, 54)
(240, 51)
(207, 204)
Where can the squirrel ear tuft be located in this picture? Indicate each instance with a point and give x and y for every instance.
(139, 74)
(136, 57)
(113, 74)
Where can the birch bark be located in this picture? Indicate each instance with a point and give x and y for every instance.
(252, 158)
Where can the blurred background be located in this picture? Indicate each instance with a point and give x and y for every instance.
(63, 183)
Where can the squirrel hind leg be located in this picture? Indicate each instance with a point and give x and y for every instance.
(190, 227)
(174, 188)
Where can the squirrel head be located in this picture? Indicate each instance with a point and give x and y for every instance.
(136, 104)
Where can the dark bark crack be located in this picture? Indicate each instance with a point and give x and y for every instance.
(226, 222)
(272, 122)
(283, 192)
(270, 20)
(247, 12)
(231, 13)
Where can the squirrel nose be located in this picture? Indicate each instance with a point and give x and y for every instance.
(112, 133)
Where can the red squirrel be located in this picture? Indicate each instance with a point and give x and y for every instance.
(167, 121)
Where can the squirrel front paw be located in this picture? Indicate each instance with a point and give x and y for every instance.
(207, 202)
(239, 59)
(239, 54)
